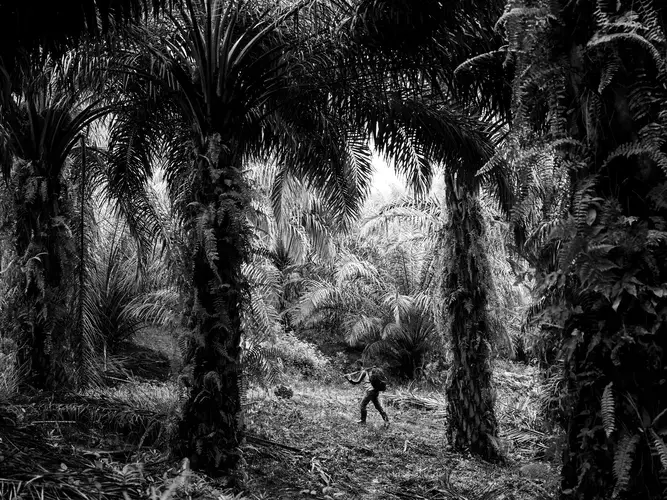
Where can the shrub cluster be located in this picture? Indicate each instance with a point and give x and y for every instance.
(299, 355)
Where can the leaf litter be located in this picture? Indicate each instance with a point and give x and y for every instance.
(108, 446)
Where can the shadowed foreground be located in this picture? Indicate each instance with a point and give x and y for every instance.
(113, 444)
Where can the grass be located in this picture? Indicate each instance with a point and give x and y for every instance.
(337, 458)
(112, 443)
(9, 372)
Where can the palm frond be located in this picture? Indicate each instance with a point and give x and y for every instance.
(363, 330)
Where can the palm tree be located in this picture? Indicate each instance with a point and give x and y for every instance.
(454, 51)
(30, 40)
(220, 67)
(602, 115)
(41, 126)
(46, 159)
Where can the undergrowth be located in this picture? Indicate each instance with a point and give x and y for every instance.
(327, 455)
(302, 441)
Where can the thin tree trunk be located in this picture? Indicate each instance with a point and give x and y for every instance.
(80, 340)
(472, 423)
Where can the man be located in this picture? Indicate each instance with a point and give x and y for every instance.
(374, 384)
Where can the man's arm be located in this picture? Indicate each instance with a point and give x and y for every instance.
(360, 377)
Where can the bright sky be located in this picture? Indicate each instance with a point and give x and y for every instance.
(385, 183)
(386, 186)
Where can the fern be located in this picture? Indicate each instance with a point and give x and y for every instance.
(261, 365)
(609, 71)
(660, 447)
(608, 410)
(600, 40)
(514, 13)
(642, 148)
(623, 460)
(606, 229)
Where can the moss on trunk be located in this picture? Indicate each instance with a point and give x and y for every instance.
(472, 423)
(211, 428)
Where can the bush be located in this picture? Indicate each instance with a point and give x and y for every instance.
(403, 348)
(300, 355)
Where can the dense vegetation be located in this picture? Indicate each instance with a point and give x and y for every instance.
(191, 233)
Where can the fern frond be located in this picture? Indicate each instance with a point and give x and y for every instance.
(516, 13)
(609, 70)
(639, 148)
(614, 39)
(660, 448)
(623, 460)
(608, 410)
(261, 364)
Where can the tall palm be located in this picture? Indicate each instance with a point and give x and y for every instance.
(603, 117)
(41, 126)
(216, 71)
(448, 43)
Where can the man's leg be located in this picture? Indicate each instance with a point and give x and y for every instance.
(378, 407)
(364, 403)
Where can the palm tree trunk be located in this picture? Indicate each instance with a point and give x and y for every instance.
(211, 428)
(615, 393)
(37, 238)
(470, 396)
(614, 337)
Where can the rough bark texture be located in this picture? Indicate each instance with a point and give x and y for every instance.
(618, 337)
(605, 93)
(41, 247)
(211, 428)
(472, 422)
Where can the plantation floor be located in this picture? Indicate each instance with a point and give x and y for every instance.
(112, 444)
(336, 458)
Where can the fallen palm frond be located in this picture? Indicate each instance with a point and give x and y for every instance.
(143, 362)
(36, 465)
(527, 441)
(267, 442)
(408, 399)
(518, 393)
(448, 490)
(45, 453)
(10, 372)
(157, 397)
(130, 417)
(38, 470)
